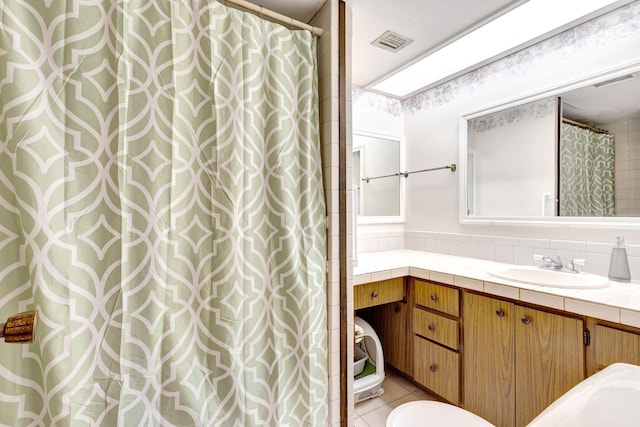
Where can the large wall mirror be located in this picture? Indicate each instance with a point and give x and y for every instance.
(569, 155)
(377, 186)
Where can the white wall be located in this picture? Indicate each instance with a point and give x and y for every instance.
(431, 119)
(327, 19)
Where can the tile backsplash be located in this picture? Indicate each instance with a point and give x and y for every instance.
(511, 250)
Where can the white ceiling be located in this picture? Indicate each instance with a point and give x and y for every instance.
(432, 24)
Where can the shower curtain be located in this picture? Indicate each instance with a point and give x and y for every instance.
(587, 162)
(161, 205)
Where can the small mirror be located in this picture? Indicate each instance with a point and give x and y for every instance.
(378, 187)
(568, 155)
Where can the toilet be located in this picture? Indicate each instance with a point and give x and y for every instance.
(427, 413)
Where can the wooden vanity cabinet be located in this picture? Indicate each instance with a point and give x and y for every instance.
(517, 360)
(436, 339)
(388, 313)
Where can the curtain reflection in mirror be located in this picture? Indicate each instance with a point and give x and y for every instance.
(587, 162)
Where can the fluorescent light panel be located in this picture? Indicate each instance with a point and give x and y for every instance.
(532, 19)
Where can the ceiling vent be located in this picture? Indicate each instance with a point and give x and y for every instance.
(391, 41)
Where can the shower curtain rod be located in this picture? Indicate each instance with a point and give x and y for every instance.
(585, 126)
(277, 16)
(406, 174)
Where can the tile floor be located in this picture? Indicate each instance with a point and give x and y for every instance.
(397, 390)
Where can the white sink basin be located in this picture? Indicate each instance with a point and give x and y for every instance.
(556, 279)
(609, 398)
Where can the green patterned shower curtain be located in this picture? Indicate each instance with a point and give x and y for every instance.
(161, 205)
(587, 162)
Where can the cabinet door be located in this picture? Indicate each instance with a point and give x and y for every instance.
(614, 345)
(489, 376)
(549, 359)
(392, 325)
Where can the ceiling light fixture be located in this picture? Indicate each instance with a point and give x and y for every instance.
(528, 23)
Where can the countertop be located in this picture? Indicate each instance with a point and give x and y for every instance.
(620, 302)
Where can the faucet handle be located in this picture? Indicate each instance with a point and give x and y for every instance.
(573, 262)
(538, 257)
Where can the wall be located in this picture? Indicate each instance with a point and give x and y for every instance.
(327, 19)
(381, 115)
(431, 128)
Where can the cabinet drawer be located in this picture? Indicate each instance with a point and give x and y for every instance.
(437, 297)
(614, 345)
(377, 293)
(435, 327)
(437, 368)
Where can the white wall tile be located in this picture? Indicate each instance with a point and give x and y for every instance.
(502, 290)
(523, 255)
(455, 248)
(436, 276)
(535, 243)
(503, 253)
(592, 309)
(486, 251)
(470, 249)
(568, 245)
(630, 317)
(467, 283)
(381, 275)
(552, 301)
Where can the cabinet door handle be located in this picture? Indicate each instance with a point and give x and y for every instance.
(396, 309)
(432, 327)
(434, 297)
(500, 313)
(432, 367)
(526, 320)
(374, 294)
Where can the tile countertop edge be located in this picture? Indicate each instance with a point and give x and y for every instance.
(618, 303)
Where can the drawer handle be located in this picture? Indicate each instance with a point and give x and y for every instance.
(432, 327)
(396, 309)
(500, 313)
(434, 297)
(374, 294)
(432, 367)
(526, 320)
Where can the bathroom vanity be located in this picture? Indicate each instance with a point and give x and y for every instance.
(500, 349)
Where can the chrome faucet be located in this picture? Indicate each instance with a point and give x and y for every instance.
(556, 264)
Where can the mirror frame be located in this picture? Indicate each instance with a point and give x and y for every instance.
(601, 222)
(363, 219)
